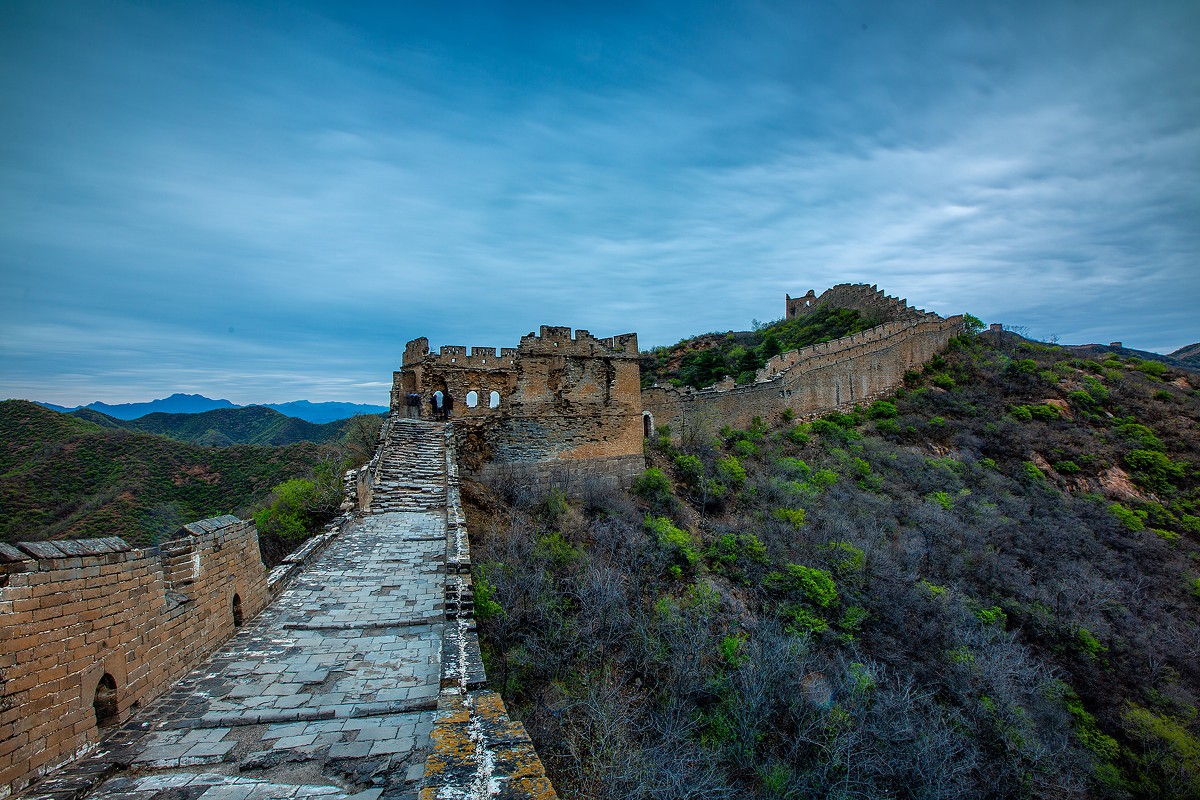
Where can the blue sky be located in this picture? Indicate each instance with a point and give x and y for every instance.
(264, 201)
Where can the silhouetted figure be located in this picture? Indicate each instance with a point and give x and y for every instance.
(413, 403)
(449, 406)
(436, 404)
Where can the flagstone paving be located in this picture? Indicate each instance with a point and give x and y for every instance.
(331, 692)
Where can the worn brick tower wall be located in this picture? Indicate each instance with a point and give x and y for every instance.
(560, 409)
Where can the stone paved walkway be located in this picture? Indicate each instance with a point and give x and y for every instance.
(331, 692)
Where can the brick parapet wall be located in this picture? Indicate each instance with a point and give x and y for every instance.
(817, 379)
(478, 750)
(574, 478)
(868, 300)
(74, 611)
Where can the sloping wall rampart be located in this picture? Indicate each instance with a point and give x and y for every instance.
(76, 611)
(815, 379)
(870, 301)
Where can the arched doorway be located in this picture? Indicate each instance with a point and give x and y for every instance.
(238, 617)
(647, 424)
(105, 701)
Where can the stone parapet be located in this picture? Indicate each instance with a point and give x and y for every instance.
(817, 379)
(478, 750)
(94, 629)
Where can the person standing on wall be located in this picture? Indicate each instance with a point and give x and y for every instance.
(449, 405)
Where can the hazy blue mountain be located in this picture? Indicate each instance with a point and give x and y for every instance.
(324, 412)
(317, 413)
(175, 404)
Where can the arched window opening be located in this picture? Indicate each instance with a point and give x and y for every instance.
(494, 400)
(472, 398)
(105, 701)
(238, 618)
(647, 425)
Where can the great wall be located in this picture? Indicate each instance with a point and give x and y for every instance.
(352, 670)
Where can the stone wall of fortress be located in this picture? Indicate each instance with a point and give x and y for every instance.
(815, 379)
(92, 629)
(566, 408)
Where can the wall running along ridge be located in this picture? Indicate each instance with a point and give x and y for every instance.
(568, 408)
(76, 611)
(478, 750)
(822, 377)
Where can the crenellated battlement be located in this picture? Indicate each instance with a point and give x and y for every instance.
(91, 617)
(825, 376)
(870, 301)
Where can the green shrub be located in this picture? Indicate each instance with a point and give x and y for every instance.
(731, 650)
(798, 434)
(814, 585)
(822, 478)
(1082, 400)
(1103, 746)
(931, 589)
(690, 469)
(678, 542)
(1096, 389)
(1169, 760)
(1033, 473)
(1132, 520)
(793, 468)
(1088, 643)
(831, 430)
(882, 409)
(1025, 365)
(297, 507)
(731, 549)
(731, 471)
(943, 499)
(1154, 470)
(1067, 467)
(652, 485)
(552, 547)
(1143, 436)
(1155, 369)
(1045, 412)
(793, 516)
(1021, 413)
(850, 558)
(486, 605)
(801, 620)
(943, 381)
(1190, 523)
(992, 616)
(745, 448)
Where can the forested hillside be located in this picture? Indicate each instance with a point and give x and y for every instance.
(65, 477)
(227, 426)
(985, 586)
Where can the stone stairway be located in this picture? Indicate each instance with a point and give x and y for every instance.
(412, 475)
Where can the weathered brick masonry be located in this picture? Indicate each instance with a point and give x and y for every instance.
(823, 377)
(79, 615)
(559, 408)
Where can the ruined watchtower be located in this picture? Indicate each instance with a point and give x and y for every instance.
(559, 409)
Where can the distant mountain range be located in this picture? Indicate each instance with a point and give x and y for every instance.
(223, 427)
(318, 413)
(1187, 358)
